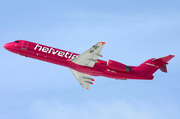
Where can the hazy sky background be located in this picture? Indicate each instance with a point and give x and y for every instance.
(134, 31)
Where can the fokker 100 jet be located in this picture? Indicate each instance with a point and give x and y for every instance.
(86, 64)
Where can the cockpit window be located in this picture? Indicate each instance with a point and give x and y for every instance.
(16, 41)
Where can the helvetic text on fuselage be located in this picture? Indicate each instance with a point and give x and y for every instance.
(54, 52)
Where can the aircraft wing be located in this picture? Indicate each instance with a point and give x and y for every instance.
(84, 79)
(89, 58)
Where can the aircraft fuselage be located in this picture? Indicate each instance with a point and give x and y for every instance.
(62, 57)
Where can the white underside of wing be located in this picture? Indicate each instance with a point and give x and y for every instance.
(83, 79)
(89, 58)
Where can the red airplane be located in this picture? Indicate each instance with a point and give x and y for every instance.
(86, 64)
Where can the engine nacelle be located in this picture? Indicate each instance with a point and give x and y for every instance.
(117, 66)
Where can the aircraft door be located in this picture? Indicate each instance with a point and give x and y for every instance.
(24, 45)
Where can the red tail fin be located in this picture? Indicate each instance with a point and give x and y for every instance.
(152, 65)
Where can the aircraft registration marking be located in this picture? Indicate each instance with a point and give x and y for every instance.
(95, 48)
(111, 71)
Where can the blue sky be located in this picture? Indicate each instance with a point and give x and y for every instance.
(134, 31)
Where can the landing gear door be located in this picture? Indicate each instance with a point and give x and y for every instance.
(24, 45)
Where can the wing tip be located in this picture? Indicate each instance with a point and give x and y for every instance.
(103, 42)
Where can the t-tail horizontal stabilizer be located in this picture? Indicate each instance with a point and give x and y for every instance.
(152, 65)
(163, 61)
